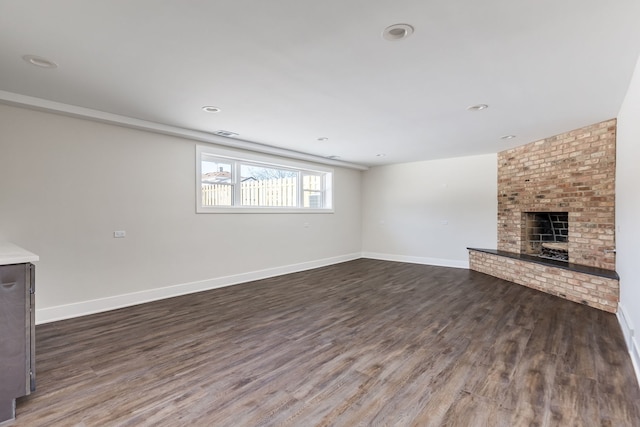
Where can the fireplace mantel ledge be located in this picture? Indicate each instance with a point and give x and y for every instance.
(601, 272)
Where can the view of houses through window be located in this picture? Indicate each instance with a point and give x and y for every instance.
(232, 182)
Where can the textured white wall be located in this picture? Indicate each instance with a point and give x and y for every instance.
(405, 207)
(66, 184)
(628, 214)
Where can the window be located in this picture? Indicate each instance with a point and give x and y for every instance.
(230, 181)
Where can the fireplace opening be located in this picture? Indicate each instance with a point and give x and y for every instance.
(547, 235)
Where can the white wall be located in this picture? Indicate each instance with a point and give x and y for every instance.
(66, 184)
(405, 205)
(628, 215)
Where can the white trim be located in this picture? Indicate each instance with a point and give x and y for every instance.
(629, 337)
(258, 210)
(40, 104)
(418, 260)
(83, 308)
(625, 323)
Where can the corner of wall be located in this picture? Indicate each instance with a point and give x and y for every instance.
(630, 339)
(439, 262)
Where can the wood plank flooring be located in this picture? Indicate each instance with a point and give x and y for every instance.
(364, 343)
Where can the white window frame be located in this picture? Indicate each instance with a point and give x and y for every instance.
(255, 159)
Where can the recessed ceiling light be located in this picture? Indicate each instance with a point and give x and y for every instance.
(226, 133)
(323, 138)
(39, 61)
(380, 155)
(508, 137)
(478, 107)
(397, 32)
(211, 109)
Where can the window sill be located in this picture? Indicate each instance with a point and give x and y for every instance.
(262, 210)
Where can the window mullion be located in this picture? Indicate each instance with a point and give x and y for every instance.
(300, 191)
(237, 184)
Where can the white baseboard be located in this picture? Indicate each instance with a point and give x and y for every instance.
(83, 308)
(418, 260)
(630, 338)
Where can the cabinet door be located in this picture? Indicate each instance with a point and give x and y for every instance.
(13, 330)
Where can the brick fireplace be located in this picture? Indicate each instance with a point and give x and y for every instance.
(556, 199)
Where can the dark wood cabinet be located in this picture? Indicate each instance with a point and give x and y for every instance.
(17, 335)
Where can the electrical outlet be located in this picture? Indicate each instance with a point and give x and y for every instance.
(119, 234)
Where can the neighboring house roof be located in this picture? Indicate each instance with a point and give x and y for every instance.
(216, 177)
(222, 176)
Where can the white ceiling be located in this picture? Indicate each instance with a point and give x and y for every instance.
(286, 72)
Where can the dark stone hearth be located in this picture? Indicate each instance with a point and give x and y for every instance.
(600, 272)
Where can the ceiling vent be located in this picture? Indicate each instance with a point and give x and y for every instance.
(226, 133)
(39, 61)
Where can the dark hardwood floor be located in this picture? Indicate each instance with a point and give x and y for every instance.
(364, 343)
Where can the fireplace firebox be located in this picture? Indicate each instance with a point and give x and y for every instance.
(547, 235)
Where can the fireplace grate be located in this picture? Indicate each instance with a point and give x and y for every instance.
(547, 235)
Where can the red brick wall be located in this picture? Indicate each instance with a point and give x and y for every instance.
(595, 291)
(573, 172)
